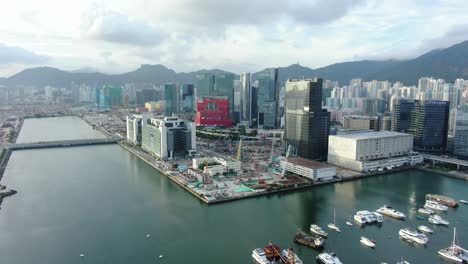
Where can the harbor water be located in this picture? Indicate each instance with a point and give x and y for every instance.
(103, 202)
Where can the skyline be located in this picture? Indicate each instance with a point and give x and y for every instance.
(182, 34)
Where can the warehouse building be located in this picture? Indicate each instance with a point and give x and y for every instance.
(313, 170)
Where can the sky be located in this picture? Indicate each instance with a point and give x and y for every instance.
(115, 36)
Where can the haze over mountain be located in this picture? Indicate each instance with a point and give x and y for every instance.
(449, 64)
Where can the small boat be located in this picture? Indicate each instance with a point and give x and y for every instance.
(413, 236)
(389, 211)
(349, 223)
(82, 255)
(366, 241)
(318, 230)
(454, 253)
(437, 220)
(290, 257)
(328, 258)
(268, 255)
(148, 235)
(425, 229)
(425, 211)
(402, 261)
(333, 225)
(435, 206)
(444, 200)
(463, 201)
(161, 256)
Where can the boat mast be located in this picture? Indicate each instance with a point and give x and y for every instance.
(453, 243)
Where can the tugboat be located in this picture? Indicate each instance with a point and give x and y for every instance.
(310, 241)
(328, 258)
(444, 200)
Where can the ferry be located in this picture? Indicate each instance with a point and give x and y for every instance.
(425, 211)
(318, 230)
(389, 211)
(304, 239)
(413, 236)
(437, 220)
(435, 206)
(444, 200)
(328, 258)
(366, 241)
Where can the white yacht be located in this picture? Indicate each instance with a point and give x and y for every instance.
(425, 211)
(425, 229)
(463, 201)
(290, 256)
(333, 225)
(361, 219)
(437, 220)
(349, 223)
(318, 230)
(366, 241)
(378, 217)
(413, 236)
(435, 206)
(259, 256)
(389, 211)
(328, 258)
(454, 253)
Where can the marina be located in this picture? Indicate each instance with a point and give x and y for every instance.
(89, 181)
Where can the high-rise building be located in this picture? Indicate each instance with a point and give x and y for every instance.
(220, 84)
(110, 97)
(134, 127)
(461, 132)
(213, 111)
(245, 99)
(429, 125)
(168, 137)
(307, 126)
(268, 99)
(172, 98)
(145, 95)
(188, 98)
(357, 122)
(401, 116)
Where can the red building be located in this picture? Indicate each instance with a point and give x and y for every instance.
(213, 111)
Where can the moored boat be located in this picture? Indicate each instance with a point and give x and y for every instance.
(328, 258)
(318, 230)
(425, 229)
(366, 241)
(333, 225)
(463, 201)
(289, 257)
(441, 199)
(389, 211)
(413, 236)
(454, 253)
(425, 211)
(437, 220)
(435, 206)
(310, 241)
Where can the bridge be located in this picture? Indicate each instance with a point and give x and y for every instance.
(60, 144)
(435, 158)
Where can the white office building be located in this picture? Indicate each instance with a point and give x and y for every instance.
(134, 127)
(371, 151)
(313, 170)
(168, 137)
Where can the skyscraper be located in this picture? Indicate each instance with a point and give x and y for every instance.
(188, 98)
(461, 132)
(307, 126)
(268, 99)
(110, 97)
(245, 98)
(401, 116)
(145, 95)
(172, 98)
(429, 125)
(220, 84)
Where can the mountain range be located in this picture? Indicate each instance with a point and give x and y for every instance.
(449, 64)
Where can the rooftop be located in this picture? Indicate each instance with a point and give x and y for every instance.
(311, 164)
(369, 135)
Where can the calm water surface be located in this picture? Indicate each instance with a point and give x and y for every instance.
(102, 201)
